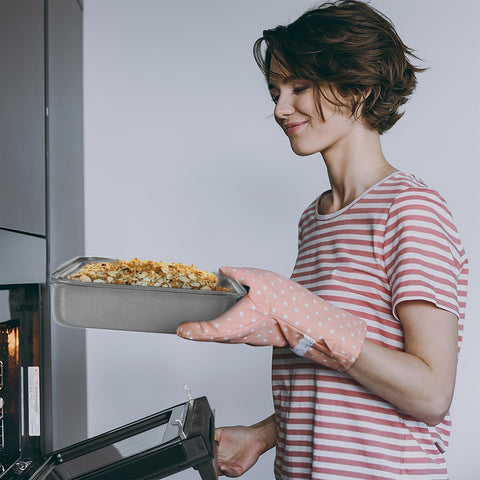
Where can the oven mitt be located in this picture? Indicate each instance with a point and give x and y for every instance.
(280, 312)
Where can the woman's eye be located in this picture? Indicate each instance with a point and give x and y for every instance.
(298, 90)
(275, 94)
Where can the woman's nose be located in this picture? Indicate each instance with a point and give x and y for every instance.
(284, 107)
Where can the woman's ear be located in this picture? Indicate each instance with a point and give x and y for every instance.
(367, 92)
(359, 103)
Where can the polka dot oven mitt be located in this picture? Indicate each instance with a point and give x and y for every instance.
(280, 312)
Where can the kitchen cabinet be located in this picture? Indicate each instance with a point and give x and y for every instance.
(22, 116)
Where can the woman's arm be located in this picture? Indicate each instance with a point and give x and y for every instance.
(280, 312)
(420, 380)
(239, 447)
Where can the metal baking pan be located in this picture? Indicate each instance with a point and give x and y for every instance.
(132, 307)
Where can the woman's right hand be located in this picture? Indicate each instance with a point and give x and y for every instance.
(238, 448)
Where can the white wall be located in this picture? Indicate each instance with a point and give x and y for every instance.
(184, 163)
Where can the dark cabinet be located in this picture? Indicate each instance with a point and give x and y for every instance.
(22, 116)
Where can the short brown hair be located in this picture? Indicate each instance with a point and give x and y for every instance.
(351, 48)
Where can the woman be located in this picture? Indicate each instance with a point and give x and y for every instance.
(367, 330)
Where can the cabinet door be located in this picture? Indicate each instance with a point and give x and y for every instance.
(22, 116)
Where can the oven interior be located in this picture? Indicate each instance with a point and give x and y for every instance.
(19, 376)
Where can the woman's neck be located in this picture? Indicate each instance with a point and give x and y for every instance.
(353, 167)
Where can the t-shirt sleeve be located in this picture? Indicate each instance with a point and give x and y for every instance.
(422, 250)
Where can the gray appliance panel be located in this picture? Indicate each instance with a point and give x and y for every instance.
(22, 116)
(22, 258)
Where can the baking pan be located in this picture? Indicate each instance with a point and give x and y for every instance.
(133, 307)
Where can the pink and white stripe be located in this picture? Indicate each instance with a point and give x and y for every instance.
(396, 242)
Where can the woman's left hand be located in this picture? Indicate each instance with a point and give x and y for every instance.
(280, 312)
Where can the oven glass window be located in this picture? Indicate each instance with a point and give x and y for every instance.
(114, 452)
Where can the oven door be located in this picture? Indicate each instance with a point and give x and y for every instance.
(153, 447)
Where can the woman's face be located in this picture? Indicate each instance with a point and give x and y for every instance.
(296, 111)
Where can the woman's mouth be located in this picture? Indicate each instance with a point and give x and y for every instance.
(292, 128)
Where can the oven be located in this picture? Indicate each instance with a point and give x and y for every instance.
(179, 437)
(20, 393)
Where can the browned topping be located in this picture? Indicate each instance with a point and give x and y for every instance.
(148, 273)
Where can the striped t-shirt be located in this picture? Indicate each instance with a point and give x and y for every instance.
(395, 242)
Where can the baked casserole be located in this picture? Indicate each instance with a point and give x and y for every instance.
(148, 273)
